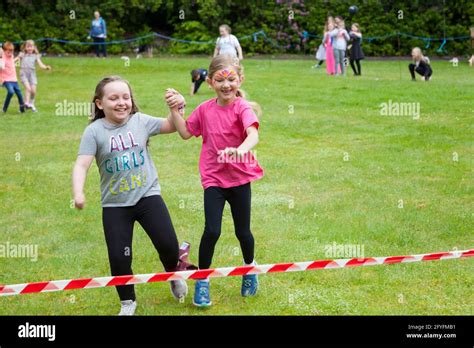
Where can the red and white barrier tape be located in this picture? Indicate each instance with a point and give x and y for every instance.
(88, 283)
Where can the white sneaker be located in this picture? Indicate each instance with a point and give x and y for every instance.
(33, 108)
(128, 307)
(179, 289)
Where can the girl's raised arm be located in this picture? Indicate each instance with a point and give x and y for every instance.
(168, 126)
(79, 174)
(174, 100)
(180, 124)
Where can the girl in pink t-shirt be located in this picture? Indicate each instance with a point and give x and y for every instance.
(229, 129)
(8, 76)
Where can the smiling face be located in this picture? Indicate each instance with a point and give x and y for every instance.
(226, 83)
(116, 102)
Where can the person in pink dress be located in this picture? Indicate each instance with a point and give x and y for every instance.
(330, 63)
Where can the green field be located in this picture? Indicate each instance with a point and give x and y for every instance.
(336, 171)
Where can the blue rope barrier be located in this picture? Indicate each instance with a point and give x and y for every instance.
(254, 37)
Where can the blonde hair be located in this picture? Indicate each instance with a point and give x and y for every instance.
(419, 55)
(223, 61)
(29, 42)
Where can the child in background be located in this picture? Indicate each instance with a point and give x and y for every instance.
(198, 76)
(321, 51)
(1, 65)
(341, 37)
(227, 43)
(8, 76)
(356, 54)
(229, 129)
(330, 63)
(117, 138)
(421, 65)
(29, 57)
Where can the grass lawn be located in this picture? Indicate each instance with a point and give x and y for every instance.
(336, 171)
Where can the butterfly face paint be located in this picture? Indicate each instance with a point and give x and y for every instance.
(226, 83)
(225, 73)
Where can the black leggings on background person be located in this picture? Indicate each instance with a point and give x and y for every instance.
(423, 69)
(356, 67)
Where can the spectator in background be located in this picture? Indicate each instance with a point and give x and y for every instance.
(98, 33)
(356, 54)
(8, 76)
(421, 65)
(227, 43)
(340, 37)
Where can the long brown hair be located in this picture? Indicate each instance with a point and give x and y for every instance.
(99, 94)
(223, 61)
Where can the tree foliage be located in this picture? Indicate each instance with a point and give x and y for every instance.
(290, 26)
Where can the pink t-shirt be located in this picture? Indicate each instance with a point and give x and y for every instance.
(8, 73)
(221, 127)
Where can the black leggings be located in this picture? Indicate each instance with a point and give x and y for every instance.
(357, 61)
(152, 214)
(422, 70)
(239, 198)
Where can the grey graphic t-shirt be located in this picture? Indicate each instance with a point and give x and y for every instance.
(127, 172)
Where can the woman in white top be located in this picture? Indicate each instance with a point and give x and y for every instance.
(227, 43)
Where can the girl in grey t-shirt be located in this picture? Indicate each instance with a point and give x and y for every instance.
(117, 138)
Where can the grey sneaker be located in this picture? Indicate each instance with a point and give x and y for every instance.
(179, 289)
(128, 307)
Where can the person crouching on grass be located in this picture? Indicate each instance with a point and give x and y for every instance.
(198, 76)
(229, 127)
(117, 138)
(421, 65)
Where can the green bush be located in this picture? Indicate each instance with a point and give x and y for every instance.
(198, 20)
